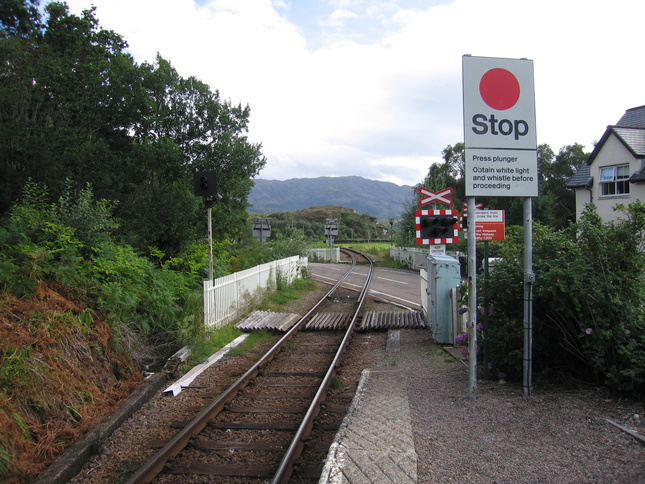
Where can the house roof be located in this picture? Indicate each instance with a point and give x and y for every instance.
(634, 117)
(638, 177)
(630, 131)
(632, 138)
(582, 178)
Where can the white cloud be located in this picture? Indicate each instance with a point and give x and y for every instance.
(384, 103)
(339, 16)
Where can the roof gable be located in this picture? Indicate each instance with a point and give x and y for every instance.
(632, 138)
(630, 131)
(634, 117)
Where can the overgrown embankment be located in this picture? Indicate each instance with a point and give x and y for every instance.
(82, 314)
(77, 308)
(59, 374)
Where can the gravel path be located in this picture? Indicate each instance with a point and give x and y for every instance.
(554, 436)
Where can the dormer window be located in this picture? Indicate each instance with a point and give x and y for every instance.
(614, 180)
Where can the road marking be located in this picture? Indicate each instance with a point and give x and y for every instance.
(371, 291)
(390, 296)
(393, 280)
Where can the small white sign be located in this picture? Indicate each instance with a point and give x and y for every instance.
(437, 250)
(489, 216)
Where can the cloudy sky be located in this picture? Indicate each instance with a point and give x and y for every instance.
(373, 87)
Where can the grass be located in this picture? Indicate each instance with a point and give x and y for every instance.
(4, 461)
(335, 383)
(284, 294)
(214, 340)
(254, 339)
(379, 250)
(435, 350)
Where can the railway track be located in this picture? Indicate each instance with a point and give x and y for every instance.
(257, 429)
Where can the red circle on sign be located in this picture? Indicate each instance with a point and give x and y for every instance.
(499, 89)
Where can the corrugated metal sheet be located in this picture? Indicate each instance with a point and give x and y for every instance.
(267, 320)
(329, 321)
(372, 321)
(392, 320)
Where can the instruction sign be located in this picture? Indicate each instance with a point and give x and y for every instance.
(499, 127)
(490, 225)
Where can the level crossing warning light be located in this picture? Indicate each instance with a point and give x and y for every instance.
(436, 227)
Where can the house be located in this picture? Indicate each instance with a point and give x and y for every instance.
(615, 171)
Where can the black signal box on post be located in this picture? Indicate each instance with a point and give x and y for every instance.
(205, 184)
(436, 227)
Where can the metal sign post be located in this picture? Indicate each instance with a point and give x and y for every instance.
(501, 159)
(529, 279)
(209, 212)
(331, 229)
(472, 303)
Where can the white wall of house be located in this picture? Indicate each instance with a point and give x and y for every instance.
(583, 196)
(612, 153)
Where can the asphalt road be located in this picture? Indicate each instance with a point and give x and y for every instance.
(395, 285)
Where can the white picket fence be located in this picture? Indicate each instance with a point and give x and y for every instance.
(413, 257)
(325, 255)
(225, 297)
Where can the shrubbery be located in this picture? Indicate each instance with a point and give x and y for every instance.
(82, 314)
(72, 242)
(588, 309)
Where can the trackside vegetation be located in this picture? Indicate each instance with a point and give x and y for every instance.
(588, 309)
(82, 314)
(588, 312)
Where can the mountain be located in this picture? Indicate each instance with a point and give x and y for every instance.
(377, 198)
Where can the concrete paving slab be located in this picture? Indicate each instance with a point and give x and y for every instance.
(375, 441)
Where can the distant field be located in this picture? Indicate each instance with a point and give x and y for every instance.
(367, 246)
(378, 250)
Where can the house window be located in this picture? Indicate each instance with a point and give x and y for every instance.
(614, 180)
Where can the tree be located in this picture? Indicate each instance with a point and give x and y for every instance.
(63, 109)
(195, 131)
(18, 18)
(74, 106)
(588, 313)
(554, 173)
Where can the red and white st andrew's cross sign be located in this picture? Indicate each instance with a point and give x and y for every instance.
(430, 196)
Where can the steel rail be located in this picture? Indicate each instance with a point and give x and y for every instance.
(155, 465)
(283, 474)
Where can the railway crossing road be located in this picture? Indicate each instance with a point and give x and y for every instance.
(395, 285)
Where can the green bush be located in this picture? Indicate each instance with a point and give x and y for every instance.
(71, 242)
(588, 302)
